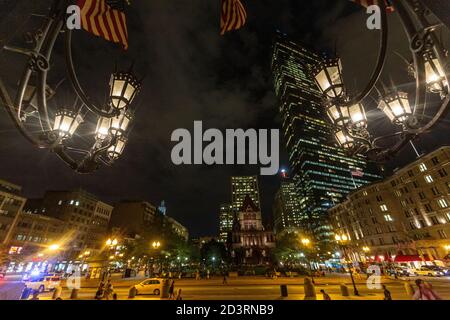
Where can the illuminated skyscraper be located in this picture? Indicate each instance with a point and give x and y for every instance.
(286, 207)
(322, 172)
(226, 221)
(240, 188)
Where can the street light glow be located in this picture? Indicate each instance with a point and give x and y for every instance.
(54, 247)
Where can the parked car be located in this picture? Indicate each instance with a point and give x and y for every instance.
(43, 283)
(431, 271)
(402, 272)
(149, 286)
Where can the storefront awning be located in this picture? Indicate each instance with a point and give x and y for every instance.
(411, 258)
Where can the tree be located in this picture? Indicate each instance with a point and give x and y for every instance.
(214, 254)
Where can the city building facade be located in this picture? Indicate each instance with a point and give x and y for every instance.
(322, 172)
(32, 236)
(405, 217)
(133, 216)
(140, 217)
(11, 204)
(251, 242)
(86, 217)
(177, 228)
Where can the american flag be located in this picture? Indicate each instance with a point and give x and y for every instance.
(367, 3)
(357, 173)
(103, 20)
(233, 16)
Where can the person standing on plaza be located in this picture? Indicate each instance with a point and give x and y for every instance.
(109, 290)
(387, 293)
(325, 295)
(224, 279)
(425, 292)
(179, 295)
(171, 290)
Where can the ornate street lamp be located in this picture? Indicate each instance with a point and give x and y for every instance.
(358, 116)
(124, 88)
(116, 150)
(30, 105)
(339, 115)
(66, 123)
(328, 76)
(344, 139)
(431, 68)
(396, 107)
(103, 127)
(435, 75)
(120, 123)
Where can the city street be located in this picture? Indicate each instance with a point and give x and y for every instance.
(260, 288)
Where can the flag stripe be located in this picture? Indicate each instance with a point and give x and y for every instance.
(100, 19)
(233, 16)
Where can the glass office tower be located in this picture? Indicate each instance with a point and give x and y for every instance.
(322, 172)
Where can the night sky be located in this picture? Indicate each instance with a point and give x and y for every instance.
(193, 73)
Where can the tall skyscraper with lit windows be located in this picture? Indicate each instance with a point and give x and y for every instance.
(321, 171)
(240, 188)
(226, 217)
(286, 207)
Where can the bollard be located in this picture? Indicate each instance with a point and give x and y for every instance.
(26, 293)
(74, 294)
(344, 290)
(409, 289)
(310, 290)
(57, 293)
(284, 290)
(132, 293)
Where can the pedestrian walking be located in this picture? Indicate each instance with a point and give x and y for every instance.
(100, 291)
(325, 295)
(171, 290)
(425, 291)
(387, 293)
(109, 290)
(224, 279)
(179, 295)
(207, 274)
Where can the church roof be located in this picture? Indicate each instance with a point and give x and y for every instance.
(248, 202)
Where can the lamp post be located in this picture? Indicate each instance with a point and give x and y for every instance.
(306, 243)
(342, 241)
(65, 130)
(156, 245)
(430, 68)
(112, 244)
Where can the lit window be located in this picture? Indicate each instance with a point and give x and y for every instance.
(384, 208)
(60, 202)
(388, 218)
(443, 203)
(423, 167)
(429, 179)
